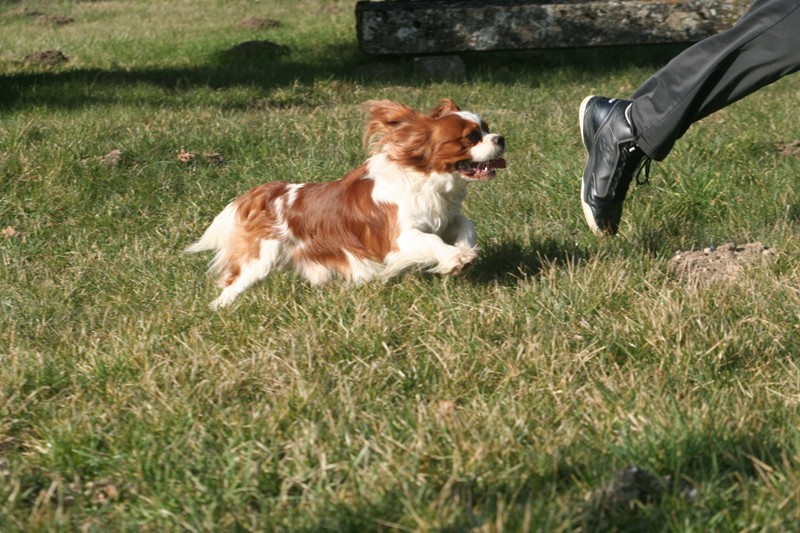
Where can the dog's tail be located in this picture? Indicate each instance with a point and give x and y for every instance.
(216, 236)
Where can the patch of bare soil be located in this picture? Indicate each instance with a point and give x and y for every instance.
(719, 263)
(45, 58)
(258, 23)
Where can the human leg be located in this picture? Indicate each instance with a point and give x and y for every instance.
(619, 134)
(761, 48)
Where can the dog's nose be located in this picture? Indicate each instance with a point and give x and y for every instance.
(500, 141)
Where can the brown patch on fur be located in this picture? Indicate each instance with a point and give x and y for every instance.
(451, 137)
(233, 272)
(334, 217)
(326, 220)
(255, 217)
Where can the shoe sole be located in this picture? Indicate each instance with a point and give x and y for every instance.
(588, 214)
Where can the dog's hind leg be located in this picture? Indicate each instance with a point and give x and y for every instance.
(270, 257)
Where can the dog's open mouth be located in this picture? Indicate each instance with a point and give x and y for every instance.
(480, 170)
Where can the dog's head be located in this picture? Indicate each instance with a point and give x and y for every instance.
(446, 140)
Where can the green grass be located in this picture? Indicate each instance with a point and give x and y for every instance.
(492, 403)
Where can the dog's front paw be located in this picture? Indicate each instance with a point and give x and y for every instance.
(460, 262)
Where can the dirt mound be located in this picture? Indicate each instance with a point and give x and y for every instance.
(719, 263)
(44, 18)
(45, 58)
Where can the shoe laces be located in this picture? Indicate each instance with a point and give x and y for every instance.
(644, 165)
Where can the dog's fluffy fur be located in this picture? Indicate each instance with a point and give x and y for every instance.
(400, 209)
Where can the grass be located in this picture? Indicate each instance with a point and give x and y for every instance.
(494, 403)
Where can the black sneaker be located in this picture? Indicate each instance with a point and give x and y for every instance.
(612, 160)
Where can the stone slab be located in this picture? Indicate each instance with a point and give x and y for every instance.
(439, 26)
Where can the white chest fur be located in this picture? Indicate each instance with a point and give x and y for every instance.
(427, 202)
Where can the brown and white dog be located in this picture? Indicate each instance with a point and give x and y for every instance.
(400, 209)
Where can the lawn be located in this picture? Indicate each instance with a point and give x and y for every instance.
(507, 400)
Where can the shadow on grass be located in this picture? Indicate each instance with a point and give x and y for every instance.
(268, 66)
(711, 462)
(509, 262)
(715, 467)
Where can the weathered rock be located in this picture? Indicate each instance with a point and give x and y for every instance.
(436, 26)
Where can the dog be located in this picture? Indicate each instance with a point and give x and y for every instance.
(400, 209)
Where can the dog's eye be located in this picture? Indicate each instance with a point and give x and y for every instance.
(474, 137)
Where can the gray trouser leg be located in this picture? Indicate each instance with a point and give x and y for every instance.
(762, 47)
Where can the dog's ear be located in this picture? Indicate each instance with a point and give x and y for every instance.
(445, 107)
(389, 113)
(385, 116)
